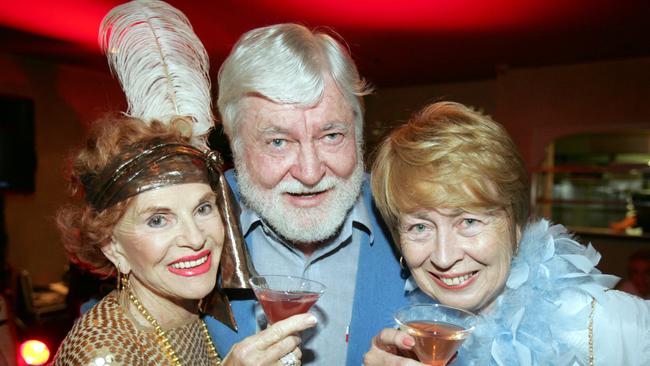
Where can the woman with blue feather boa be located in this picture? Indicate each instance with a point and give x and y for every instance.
(461, 221)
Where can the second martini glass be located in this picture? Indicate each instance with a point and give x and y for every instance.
(438, 330)
(284, 296)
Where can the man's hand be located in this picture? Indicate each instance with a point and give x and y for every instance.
(267, 347)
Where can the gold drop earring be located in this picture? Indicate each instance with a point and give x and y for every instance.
(123, 288)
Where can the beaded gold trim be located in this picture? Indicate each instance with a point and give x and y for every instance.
(214, 355)
(163, 341)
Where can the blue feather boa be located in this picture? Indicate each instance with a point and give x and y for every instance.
(544, 297)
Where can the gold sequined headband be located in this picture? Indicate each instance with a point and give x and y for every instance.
(147, 167)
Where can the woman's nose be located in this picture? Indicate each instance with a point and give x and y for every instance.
(447, 250)
(192, 234)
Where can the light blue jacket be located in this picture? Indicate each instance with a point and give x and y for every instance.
(379, 292)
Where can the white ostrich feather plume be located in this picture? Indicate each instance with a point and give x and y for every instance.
(160, 62)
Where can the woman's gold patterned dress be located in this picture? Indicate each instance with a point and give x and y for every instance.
(105, 336)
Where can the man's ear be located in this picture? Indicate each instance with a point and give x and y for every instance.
(113, 251)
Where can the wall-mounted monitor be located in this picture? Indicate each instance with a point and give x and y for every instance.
(17, 150)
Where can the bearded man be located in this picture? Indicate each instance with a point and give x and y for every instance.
(291, 104)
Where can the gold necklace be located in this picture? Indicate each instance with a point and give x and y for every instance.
(162, 339)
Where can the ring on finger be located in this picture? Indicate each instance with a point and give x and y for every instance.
(290, 360)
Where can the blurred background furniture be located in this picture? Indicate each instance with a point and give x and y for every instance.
(38, 304)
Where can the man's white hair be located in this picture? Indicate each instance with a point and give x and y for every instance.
(287, 64)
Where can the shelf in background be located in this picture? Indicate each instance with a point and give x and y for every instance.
(604, 231)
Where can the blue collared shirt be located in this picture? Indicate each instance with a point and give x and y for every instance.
(334, 265)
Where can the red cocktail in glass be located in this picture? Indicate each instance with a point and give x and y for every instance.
(284, 296)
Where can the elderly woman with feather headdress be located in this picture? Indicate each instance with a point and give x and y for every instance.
(158, 213)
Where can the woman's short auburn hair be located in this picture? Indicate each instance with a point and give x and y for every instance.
(448, 155)
(84, 230)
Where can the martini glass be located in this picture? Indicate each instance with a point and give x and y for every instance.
(438, 330)
(284, 296)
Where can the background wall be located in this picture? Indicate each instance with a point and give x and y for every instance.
(387, 108)
(536, 105)
(66, 99)
(541, 104)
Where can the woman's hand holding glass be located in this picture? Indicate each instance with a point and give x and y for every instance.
(392, 347)
(267, 347)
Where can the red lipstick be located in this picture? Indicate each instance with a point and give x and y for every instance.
(192, 271)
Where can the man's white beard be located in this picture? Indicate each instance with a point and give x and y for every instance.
(302, 225)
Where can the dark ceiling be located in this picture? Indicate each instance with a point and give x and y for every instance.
(395, 43)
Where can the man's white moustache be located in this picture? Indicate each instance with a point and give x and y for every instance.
(297, 187)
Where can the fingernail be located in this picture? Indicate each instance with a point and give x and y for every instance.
(311, 319)
(408, 342)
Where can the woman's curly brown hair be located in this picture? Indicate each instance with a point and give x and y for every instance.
(84, 230)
